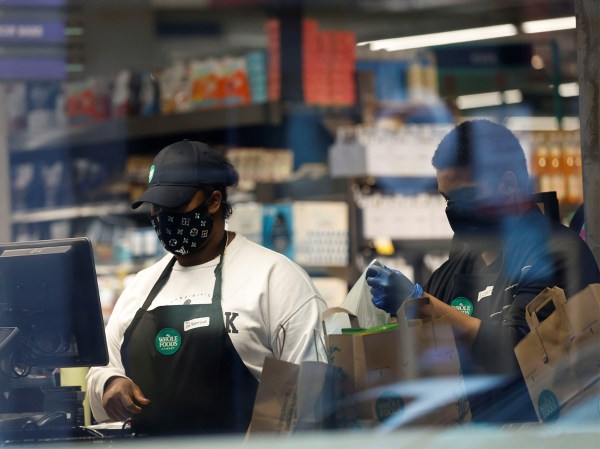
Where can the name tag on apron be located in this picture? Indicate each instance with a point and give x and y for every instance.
(485, 293)
(195, 323)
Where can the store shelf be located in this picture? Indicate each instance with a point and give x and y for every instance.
(67, 213)
(151, 126)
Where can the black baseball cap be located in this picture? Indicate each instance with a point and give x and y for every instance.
(180, 169)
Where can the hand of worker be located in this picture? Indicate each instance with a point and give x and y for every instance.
(390, 288)
(122, 398)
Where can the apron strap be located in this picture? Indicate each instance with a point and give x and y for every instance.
(162, 280)
(164, 277)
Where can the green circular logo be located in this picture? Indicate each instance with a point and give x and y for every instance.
(463, 305)
(388, 404)
(548, 406)
(167, 341)
(151, 174)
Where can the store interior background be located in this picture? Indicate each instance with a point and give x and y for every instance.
(80, 141)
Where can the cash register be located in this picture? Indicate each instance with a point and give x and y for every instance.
(50, 318)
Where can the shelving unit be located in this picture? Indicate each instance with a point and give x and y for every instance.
(143, 127)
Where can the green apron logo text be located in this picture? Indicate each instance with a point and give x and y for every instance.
(167, 341)
(463, 305)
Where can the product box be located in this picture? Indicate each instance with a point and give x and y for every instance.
(559, 358)
(175, 88)
(236, 86)
(321, 233)
(312, 233)
(247, 219)
(405, 217)
(206, 80)
(278, 228)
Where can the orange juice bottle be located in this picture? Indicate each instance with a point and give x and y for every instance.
(557, 178)
(541, 162)
(572, 178)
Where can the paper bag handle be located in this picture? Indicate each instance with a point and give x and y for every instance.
(403, 318)
(540, 301)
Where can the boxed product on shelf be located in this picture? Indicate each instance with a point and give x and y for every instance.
(206, 83)
(236, 86)
(278, 228)
(328, 64)
(321, 233)
(261, 164)
(371, 151)
(87, 101)
(149, 94)
(46, 182)
(247, 219)
(256, 66)
(404, 217)
(273, 29)
(175, 88)
(312, 233)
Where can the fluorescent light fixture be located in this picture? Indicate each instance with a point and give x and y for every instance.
(543, 26)
(488, 99)
(541, 123)
(512, 96)
(568, 89)
(479, 100)
(445, 38)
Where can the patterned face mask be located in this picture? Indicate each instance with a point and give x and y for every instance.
(183, 233)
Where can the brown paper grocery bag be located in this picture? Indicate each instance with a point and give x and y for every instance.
(293, 397)
(275, 406)
(559, 358)
(383, 370)
(317, 396)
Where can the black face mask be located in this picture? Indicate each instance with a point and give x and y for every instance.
(183, 232)
(472, 221)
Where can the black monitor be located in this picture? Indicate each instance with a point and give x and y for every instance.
(49, 291)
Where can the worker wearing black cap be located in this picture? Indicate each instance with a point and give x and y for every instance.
(188, 336)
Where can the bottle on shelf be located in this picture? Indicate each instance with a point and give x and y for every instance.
(572, 170)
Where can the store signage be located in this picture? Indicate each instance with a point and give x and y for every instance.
(32, 68)
(32, 31)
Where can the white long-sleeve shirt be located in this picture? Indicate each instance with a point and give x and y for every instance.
(278, 309)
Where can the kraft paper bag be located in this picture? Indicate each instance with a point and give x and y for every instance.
(275, 406)
(293, 397)
(559, 358)
(409, 375)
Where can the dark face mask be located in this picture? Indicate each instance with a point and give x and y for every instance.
(472, 221)
(183, 233)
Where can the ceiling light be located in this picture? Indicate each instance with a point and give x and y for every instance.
(445, 38)
(568, 89)
(541, 123)
(543, 26)
(489, 99)
(512, 96)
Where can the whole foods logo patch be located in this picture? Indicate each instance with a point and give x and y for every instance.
(388, 404)
(463, 305)
(548, 406)
(167, 341)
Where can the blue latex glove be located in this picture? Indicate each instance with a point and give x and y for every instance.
(390, 288)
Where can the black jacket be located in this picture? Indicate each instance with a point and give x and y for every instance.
(537, 252)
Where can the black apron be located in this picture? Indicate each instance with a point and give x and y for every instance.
(184, 361)
(465, 289)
